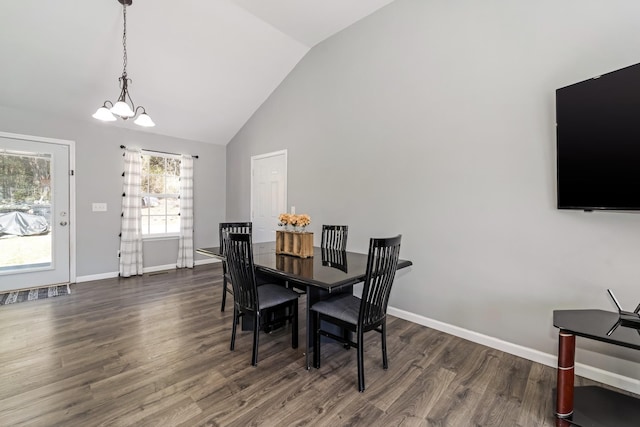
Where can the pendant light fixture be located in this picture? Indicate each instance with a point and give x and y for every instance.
(124, 106)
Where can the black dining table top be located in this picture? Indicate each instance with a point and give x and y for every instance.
(327, 269)
(599, 325)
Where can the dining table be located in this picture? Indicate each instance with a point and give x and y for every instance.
(327, 272)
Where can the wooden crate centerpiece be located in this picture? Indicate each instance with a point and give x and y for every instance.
(294, 243)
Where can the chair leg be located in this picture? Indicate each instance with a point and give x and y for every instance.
(316, 343)
(294, 325)
(224, 292)
(233, 327)
(385, 360)
(256, 334)
(360, 361)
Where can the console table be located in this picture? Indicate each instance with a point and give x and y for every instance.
(591, 406)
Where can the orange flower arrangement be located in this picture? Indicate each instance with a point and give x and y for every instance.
(301, 220)
(284, 219)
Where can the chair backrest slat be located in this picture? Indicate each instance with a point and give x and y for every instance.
(239, 258)
(334, 258)
(334, 237)
(382, 264)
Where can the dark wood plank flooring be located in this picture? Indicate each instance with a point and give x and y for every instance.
(154, 351)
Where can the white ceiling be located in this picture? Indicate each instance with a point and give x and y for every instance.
(201, 68)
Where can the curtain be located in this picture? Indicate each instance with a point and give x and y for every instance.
(185, 244)
(131, 224)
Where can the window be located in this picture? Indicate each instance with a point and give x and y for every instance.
(160, 195)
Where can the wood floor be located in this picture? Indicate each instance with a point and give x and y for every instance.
(154, 351)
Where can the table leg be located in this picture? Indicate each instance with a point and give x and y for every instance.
(308, 333)
(565, 380)
(563, 422)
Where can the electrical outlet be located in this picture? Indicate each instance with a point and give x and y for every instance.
(99, 207)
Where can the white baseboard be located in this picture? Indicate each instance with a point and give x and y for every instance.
(151, 269)
(593, 373)
(92, 277)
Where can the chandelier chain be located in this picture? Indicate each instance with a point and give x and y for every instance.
(124, 40)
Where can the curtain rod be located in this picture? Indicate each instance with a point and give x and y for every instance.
(161, 152)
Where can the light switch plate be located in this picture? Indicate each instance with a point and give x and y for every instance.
(99, 207)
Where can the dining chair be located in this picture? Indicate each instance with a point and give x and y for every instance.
(249, 298)
(360, 315)
(229, 227)
(334, 258)
(334, 237)
(334, 240)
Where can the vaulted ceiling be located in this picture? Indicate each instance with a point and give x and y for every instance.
(201, 68)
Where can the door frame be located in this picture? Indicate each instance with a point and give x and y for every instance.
(286, 180)
(72, 190)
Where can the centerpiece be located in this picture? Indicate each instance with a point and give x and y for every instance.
(294, 239)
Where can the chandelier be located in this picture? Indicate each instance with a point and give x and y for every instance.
(124, 106)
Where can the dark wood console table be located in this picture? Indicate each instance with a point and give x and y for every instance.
(591, 406)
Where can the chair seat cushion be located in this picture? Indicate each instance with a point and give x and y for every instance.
(344, 307)
(270, 295)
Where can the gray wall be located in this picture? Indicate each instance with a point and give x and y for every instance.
(435, 119)
(99, 167)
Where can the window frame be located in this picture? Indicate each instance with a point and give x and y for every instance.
(146, 233)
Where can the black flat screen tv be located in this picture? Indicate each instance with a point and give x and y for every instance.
(598, 142)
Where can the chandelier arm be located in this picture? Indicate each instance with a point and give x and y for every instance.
(123, 88)
(133, 106)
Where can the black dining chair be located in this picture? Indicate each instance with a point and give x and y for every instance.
(334, 237)
(249, 298)
(229, 227)
(360, 315)
(334, 258)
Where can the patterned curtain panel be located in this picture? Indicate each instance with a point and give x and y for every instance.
(131, 226)
(185, 244)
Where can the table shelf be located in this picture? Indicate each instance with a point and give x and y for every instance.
(600, 407)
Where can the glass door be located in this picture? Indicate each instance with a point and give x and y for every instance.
(34, 213)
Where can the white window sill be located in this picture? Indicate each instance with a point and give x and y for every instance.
(160, 237)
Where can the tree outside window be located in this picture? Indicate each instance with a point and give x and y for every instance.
(25, 179)
(160, 195)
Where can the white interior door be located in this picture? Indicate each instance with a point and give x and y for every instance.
(268, 193)
(34, 213)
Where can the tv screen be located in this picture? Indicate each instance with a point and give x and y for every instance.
(598, 142)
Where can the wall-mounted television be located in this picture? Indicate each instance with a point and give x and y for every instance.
(598, 142)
